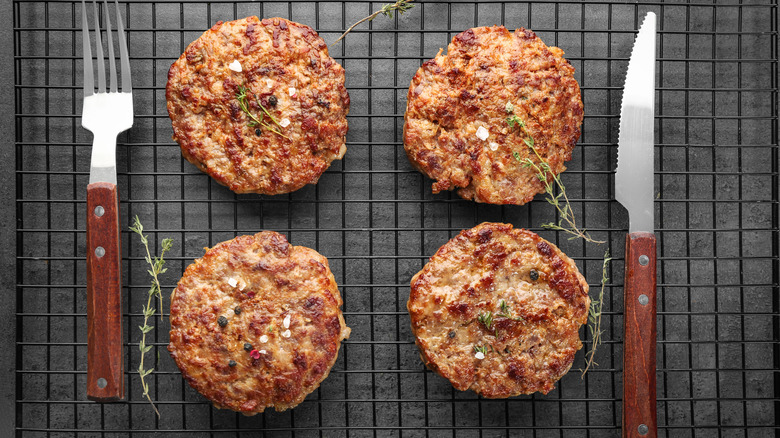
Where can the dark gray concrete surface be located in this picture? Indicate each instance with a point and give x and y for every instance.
(377, 221)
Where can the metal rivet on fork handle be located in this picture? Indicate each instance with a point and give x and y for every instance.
(642, 429)
(102, 383)
(644, 260)
(643, 300)
(99, 211)
(100, 251)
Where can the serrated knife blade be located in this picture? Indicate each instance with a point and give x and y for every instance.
(634, 189)
(634, 174)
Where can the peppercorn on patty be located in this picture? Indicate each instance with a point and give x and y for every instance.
(291, 122)
(256, 323)
(456, 129)
(497, 310)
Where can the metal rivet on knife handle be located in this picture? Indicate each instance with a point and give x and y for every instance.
(642, 429)
(99, 211)
(644, 260)
(643, 300)
(102, 383)
(100, 251)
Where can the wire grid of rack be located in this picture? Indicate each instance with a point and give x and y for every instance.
(376, 220)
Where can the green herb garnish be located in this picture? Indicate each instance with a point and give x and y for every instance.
(566, 222)
(513, 121)
(594, 316)
(506, 312)
(551, 181)
(156, 264)
(242, 95)
(486, 319)
(481, 349)
(401, 6)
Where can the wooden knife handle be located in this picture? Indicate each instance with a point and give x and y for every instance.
(639, 413)
(105, 369)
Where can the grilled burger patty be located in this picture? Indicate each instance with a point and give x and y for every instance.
(497, 310)
(454, 100)
(285, 67)
(256, 323)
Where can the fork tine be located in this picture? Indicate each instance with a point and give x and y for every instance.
(111, 59)
(101, 67)
(89, 82)
(127, 86)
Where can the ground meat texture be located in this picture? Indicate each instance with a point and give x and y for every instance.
(532, 334)
(453, 95)
(286, 68)
(284, 341)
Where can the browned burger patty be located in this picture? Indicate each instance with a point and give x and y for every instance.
(452, 96)
(256, 323)
(285, 67)
(497, 310)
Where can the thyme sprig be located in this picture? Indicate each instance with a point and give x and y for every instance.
(594, 317)
(506, 312)
(242, 95)
(551, 181)
(156, 264)
(401, 6)
(480, 349)
(566, 222)
(486, 319)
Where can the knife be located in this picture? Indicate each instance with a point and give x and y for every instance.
(634, 189)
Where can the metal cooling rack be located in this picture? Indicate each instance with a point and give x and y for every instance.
(377, 221)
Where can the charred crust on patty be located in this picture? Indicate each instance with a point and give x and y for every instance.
(451, 96)
(476, 292)
(275, 55)
(284, 340)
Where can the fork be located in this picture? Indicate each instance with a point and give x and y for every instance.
(105, 114)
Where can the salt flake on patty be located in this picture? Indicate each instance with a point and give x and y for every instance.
(235, 66)
(482, 133)
(480, 355)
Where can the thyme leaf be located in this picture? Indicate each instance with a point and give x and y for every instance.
(506, 312)
(242, 95)
(156, 264)
(486, 319)
(504, 307)
(513, 121)
(480, 349)
(400, 6)
(566, 223)
(594, 316)
(551, 181)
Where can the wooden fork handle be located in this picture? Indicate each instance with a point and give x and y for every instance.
(639, 397)
(105, 368)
